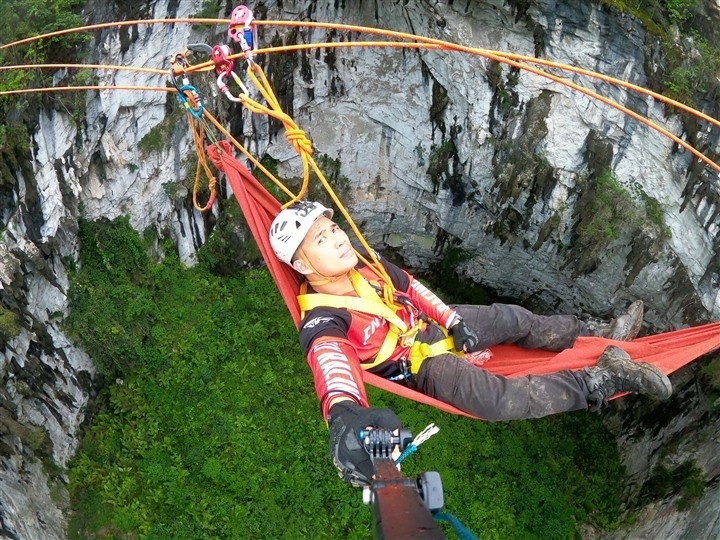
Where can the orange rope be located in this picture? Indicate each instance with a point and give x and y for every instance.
(503, 58)
(76, 88)
(198, 132)
(246, 153)
(424, 42)
(295, 136)
(86, 66)
(497, 56)
(618, 82)
(206, 65)
(110, 25)
(476, 52)
(202, 164)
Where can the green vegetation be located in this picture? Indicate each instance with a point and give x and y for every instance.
(692, 487)
(687, 73)
(159, 135)
(208, 10)
(9, 325)
(444, 167)
(22, 19)
(710, 370)
(25, 18)
(505, 94)
(211, 429)
(445, 281)
(695, 77)
(607, 211)
(440, 156)
(37, 439)
(231, 246)
(687, 479)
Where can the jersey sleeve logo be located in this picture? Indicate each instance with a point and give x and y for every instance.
(312, 323)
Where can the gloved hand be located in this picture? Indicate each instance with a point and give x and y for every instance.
(464, 337)
(345, 421)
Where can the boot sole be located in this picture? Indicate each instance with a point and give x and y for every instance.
(637, 312)
(653, 382)
(627, 326)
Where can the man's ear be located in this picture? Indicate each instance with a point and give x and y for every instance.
(300, 266)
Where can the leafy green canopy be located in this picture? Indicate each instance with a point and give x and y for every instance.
(23, 19)
(209, 426)
(27, 18)
(689, 38)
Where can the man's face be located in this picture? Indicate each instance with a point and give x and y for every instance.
(328, 249)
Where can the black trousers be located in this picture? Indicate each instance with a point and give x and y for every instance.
(493, 397)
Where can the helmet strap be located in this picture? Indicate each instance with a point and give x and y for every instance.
(325, 280)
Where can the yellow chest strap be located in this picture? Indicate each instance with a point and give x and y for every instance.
(366, 301)
(369, 302)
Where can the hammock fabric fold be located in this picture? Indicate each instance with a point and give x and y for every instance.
(669, 351)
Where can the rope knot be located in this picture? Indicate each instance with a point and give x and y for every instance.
(299, 141)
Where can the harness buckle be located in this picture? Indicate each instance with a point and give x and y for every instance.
(408, 377)
(407, 340)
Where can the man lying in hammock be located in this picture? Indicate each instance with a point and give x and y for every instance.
(348, 327)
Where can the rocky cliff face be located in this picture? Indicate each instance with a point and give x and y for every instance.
(448, 155)
(672, 462)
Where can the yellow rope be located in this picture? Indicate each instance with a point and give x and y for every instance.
(303, 147)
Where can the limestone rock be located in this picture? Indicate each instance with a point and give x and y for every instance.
(444, 152)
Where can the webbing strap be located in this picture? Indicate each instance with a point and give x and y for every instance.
(421, 351)
(365, 292)
(368, 302)
(362, 304)
(310, 301)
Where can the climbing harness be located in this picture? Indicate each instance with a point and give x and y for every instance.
(669, 351)
(400, 333)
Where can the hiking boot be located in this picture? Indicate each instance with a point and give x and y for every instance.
(624, 328)
(616, 372)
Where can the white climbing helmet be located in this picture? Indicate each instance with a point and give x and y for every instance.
(291, 225)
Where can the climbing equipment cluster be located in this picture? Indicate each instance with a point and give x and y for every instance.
(379, 297)
(669, 351)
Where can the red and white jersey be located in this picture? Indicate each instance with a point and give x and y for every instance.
(338, 341)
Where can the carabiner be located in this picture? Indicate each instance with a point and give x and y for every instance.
(181, 60)
(181, 96)
(223, 87)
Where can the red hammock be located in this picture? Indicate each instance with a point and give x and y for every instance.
(669, 351)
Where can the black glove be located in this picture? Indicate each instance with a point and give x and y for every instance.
(464, 337)
(345, 421)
